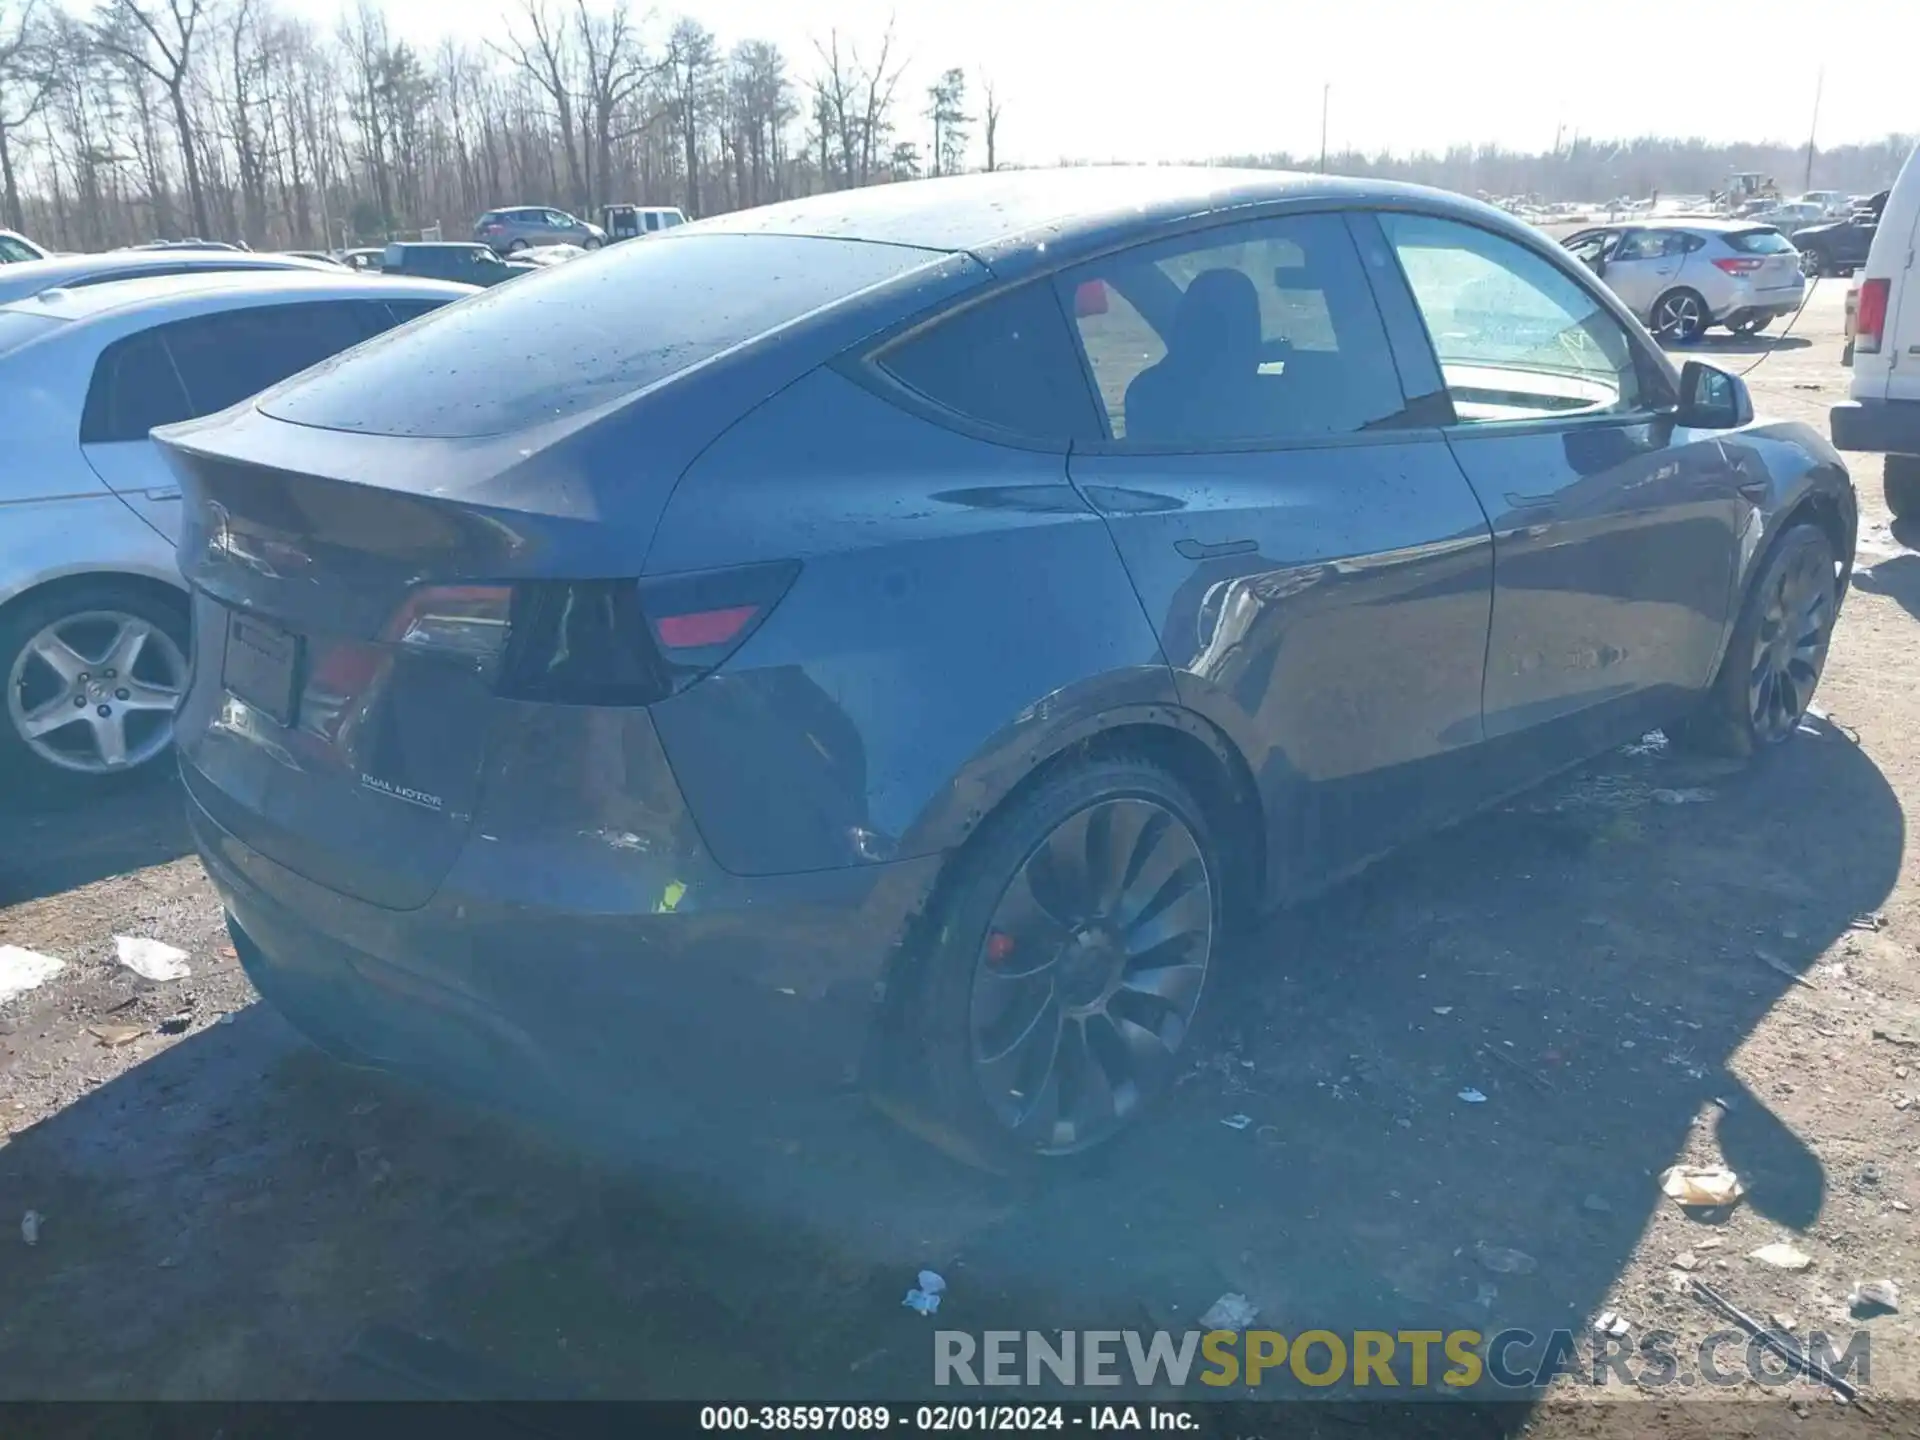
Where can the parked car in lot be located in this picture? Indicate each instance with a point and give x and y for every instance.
(93, 615)
(69, 272)
(1840, 247)
(1882, 411)
(451, 260)
(366, 257)
(1790, 217)
(15, 248)
(519, 227)
(903, 629)
(1681, 277)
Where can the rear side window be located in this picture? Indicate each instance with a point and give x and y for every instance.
(1009, 363)
(1761, 242)
(566, 339)
(1258, 333)
(135, 387)
(12, 250)
(224, 358)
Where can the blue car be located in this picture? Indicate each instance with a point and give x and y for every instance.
(900, 634)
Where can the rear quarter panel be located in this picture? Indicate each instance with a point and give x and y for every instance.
(57, 518)
(960, 613)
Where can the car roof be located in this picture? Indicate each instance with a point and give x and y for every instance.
(974, 213)
(213, 290)
(434, 245)
(28, 276)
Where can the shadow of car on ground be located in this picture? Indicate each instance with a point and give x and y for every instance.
(1590, 959)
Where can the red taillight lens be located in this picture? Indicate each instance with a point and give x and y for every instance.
(1870, 316)
(466, 620)
(703, 627)
(1740, 265)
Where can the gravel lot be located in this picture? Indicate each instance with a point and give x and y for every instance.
(1629, 983)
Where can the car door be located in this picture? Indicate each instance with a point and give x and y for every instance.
(194, 367)
(1643, 266)
(1615, 531)
(1317, 568)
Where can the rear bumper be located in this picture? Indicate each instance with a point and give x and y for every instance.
(1886, 427)
(697, 1003)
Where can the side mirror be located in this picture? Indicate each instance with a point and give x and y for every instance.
(1089, 298)
(1711, 399)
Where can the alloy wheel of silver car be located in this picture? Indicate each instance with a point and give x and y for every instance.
(1790, 646)
(95, 692)
(1090, 972)
(1679, 316)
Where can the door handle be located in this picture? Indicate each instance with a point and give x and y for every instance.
(1195, 550)
(162, 494)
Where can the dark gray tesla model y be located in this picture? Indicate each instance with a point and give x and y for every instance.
(894, 635)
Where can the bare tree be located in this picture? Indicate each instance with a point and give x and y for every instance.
(26, 80)
(693, 59)
(616, 72)
(546, 59)
(876, 114)
(158, 38)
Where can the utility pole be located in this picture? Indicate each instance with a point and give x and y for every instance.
(1819, 81)
(1325, 91)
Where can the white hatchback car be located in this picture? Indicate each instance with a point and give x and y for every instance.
(93, 613)
(1681, 276)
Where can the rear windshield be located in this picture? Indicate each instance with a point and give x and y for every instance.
(17, 327)
(563, 340)
(1760, 242)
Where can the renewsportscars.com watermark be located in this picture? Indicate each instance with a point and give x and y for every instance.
(1512, 1359)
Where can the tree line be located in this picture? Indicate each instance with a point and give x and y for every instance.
(230, 119)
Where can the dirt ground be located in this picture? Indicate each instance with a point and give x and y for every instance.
(1630, 983)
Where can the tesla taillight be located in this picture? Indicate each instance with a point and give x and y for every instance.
(632, 642)
(1870, 315)
(1741, 265)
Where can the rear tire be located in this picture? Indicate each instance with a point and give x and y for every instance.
(82, 623)
(1094, 903)
(1680, 317)
(1749, 323)
(516, 247)
(1900, 481)
(1777, 653)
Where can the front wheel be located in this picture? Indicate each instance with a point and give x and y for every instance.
(1778, 650)
(1813, 264)
(94, 674)
(1900, 481)
(1069, 961)
(592, 242)
(1680, 317)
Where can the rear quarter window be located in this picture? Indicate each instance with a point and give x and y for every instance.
(1009, 363)
(563, 340)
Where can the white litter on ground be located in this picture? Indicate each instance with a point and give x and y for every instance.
(24, 970)
(151, 959)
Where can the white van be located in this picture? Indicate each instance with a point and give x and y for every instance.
(1883, 414)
